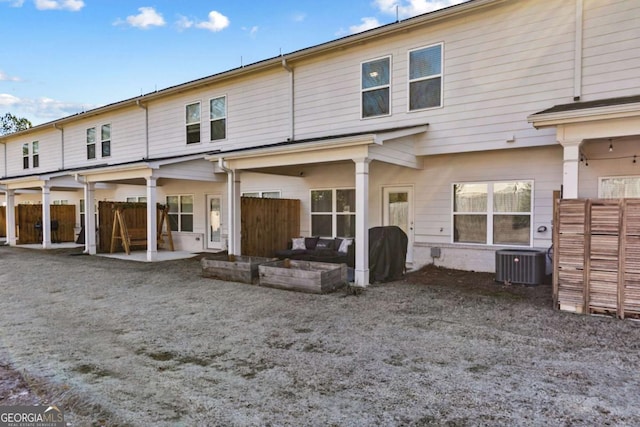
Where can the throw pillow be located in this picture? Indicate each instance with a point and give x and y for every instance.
(311, 242)
(325, 244)
(344, 246)
(297, 243)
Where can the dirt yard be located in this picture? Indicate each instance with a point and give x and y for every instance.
(122, 343)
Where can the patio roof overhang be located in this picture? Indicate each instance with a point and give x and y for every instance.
(338, 148)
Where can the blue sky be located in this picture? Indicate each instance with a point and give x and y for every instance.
(60, 57)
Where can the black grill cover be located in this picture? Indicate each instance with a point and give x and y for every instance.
(387, 253)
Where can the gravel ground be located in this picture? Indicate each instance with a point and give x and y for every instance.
(122, 343)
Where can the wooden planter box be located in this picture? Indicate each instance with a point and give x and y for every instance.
(303, 276)
(233, 268)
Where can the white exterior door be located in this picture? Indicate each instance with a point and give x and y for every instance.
(398, 210)
(214, 222)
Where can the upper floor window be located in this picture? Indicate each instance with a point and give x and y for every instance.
(105, 140)
(425, 78)
(218, 117)
(619, 187)
(91, 143)
(25, 156)
(193, 123)
(35, 154)
(333, 212)
(376, 87)
(493, 213)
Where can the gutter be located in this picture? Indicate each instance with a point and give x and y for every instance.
(61, 129)
(230, 208)
(291, 100)
(146, 127)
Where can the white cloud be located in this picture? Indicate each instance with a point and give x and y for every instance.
(299, 17)
(367, 24)
(6, 78)
(147, 18)
(14, 3)
(72, 5)
(252, 31)
(409, 8)
(184, 23)
(41, 109)
(217, 22)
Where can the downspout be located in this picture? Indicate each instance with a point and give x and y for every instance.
(61, 129)
(146, 127)
(230, 208)
(577, 58)
(291, 100)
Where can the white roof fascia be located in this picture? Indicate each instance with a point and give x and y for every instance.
(585, 115)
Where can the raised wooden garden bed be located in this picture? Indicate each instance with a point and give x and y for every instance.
(233, 268)
(303, 276)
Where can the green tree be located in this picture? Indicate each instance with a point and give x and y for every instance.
(10, 123)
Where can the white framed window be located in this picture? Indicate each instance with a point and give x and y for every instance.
(136, 199)
(25, 156)
(333, 212)
(35, 154)
(192, 121)
(218, 118)
(619, 187)
(61, 202)
(493, 213)
(273, 194)
(105, 140)
(375, 77)
(91, 143)
(425, 77)
(181, 212)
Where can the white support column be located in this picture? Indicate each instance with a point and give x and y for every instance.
(152, 220)
(46, 217)
(362, 222)
(570, 169)
(11, 217)
(89, 219)
(237, 218)
(230, 213)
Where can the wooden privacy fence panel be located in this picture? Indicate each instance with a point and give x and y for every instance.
(27, 216)
(597, 256)
(268, 225)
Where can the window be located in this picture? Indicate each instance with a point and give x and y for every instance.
(82, 212)
(264, 194)
(180, 212)
(496, 213)
(376, 88)
(619, 187)
(91, 143)
(25, 156)
(105, 140)
(137, 199)
(61, 202)
(193, 123)
(425, 78)
(333, 213)
(218, 118)
(35, 155)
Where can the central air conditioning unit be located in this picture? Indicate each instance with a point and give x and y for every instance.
(524, 266)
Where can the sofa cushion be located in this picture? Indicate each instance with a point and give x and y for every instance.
(324, 244)
(344, 245)
(311, 242)
(298, 243)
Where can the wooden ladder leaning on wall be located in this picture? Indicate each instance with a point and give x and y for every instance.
(121, 232)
